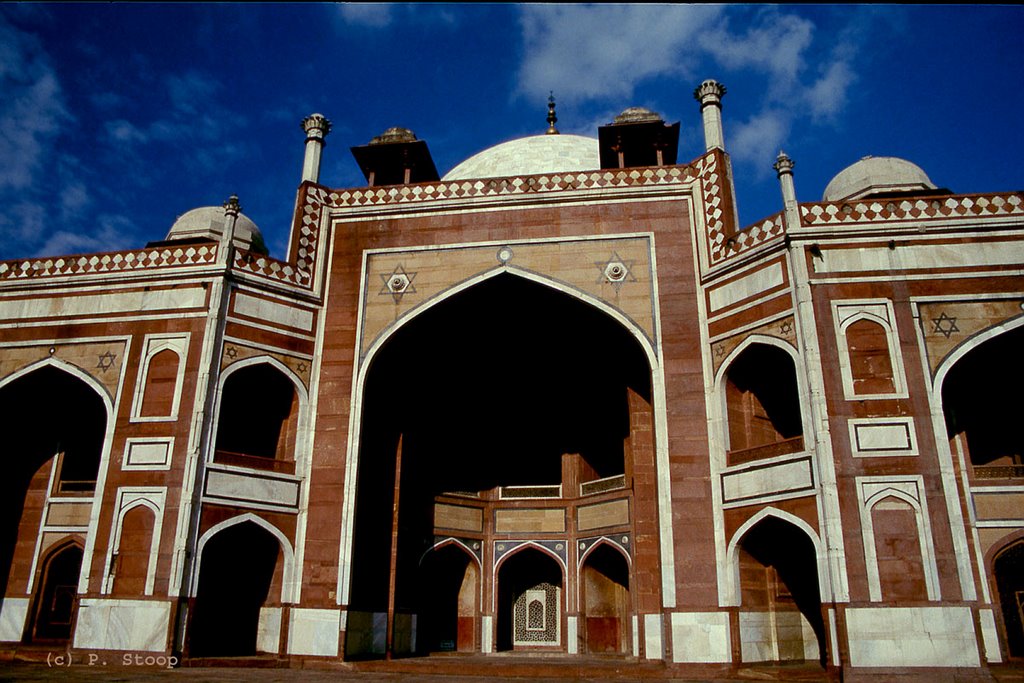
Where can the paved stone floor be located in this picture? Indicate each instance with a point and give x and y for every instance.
(426, 671)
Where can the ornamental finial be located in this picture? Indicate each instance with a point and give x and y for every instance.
(709, 92)
(783, 164)
(552, 118)
(231, 206)
(316, 126)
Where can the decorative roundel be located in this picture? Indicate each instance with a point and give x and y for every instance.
(559, 546)
(625, 540)
(501, 546)
(398, 283)
(505, 254)
(476, 545)
(583, 546)
(615, 271)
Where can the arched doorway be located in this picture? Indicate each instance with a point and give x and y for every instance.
(604, 601)
(762, 403)
(238, 567)
(780, 614)
(530, 602)
(1008, 567)
(260, 433)
(449, 614)
(507, 388)
(57, 596)
(982, 405)
(54, 427)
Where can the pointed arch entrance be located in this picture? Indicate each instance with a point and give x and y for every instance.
(449, 618)
(488, 417)
(604, 600)
(54, 438)
(530, 601)
(779, 593)
(239, 567)
(57, 596)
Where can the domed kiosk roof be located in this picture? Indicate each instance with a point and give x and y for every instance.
(207, 222)
(873, 175)
(529, 156)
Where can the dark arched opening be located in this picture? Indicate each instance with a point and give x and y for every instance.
(509, 385)
(236, 572)
(982, 402)
(258, 420)
(450, 592)
(762, 404)
(781, 617)
(1009, 571)
(57, 596)
(529, 602)
(46, 414)
(605, 602)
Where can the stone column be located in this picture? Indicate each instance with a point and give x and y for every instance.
(231, 210)
(317, 127)
(784, 168)
(709, 94)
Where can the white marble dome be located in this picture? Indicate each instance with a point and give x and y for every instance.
(871, 175)
(529, 156)
(207, 222)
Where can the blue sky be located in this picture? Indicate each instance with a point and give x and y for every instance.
(117, 118)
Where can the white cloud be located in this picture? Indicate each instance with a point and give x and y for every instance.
(602, 53)
(760, 137)
(775, 45)
(374, 15)
(115, 232)
(32, 107)
(596, 51)
(827, 96)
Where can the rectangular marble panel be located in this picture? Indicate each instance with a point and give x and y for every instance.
(314, 632)
(701, 637)
(252, 487)
(147, 454)
(990, 636)
(273, 312)
(912, 636)
(68, 514)
(507, 521)
(746, 287)
(784, 477)
(97, 304)
(653, 648)
(873, 437)
(978, 254)
(612, 513)
(998, 505)
(458, 517)
(13, 612)
(130, 625)
(268, 633)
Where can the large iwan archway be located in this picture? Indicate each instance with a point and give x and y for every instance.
(54, 438)
(491, 417)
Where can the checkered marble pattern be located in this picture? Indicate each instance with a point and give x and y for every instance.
(121, 261)
(317, 199)
(756, 234)
(271, 268)
(519, 185)
(963, 206)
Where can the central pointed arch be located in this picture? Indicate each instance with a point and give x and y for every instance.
(57, 444)
(509, 349)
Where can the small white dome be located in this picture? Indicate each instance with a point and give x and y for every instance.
(529, 156)
(207, 222)
(871, 175)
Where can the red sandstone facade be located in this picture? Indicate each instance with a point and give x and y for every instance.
(574, 411)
